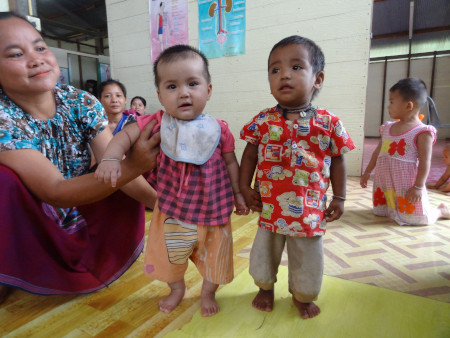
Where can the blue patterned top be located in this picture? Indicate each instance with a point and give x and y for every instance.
(63, 139)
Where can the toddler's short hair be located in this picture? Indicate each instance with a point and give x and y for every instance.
(179, 52)
(411, 89)
(316, 56)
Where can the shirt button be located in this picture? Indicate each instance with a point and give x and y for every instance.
(294, 145)
(296, 126)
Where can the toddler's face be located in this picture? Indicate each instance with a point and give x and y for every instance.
(397, 105)
(183, 89)
(291, 76)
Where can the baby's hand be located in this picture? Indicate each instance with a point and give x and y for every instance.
(108, 171)
(414, 195)
(334, 210)
(252, 199)
(241, 207)
(364, 178)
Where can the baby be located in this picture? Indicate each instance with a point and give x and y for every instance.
(197, 176)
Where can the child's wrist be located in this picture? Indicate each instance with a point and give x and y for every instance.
(342, 198)
(418, 187)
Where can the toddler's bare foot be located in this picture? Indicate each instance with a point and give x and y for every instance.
(208, 297)
(444, 210)
(4, 293)
(169, 303)
(263, 300)
(307, 310)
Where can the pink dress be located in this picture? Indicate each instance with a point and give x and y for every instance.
(396, 172)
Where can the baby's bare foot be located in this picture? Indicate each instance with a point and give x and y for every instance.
(208, 297)
(444, 210)
(169, 303)
(307, 310)
(264, 300)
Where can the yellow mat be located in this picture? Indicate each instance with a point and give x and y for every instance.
(349, 309)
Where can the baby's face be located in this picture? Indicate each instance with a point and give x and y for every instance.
(183, 88)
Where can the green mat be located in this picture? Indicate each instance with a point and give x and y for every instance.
(349, 309)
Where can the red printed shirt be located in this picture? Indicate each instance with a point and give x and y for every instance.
(195, 194)
(293, 172)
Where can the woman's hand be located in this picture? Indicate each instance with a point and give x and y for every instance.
(143, 154)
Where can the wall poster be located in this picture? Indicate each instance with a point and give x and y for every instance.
(168, 25)
(221, 28)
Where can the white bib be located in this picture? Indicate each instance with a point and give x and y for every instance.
(192, 141)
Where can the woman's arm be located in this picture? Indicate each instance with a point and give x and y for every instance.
(45, 181)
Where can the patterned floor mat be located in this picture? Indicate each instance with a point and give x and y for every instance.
(373, 250)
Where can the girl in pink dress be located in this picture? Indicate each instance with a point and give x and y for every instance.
(402, 160)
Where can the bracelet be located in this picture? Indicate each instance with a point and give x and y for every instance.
(339, 197)
(416, 187)
(110, 159)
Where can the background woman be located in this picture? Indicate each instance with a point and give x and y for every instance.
(61, 231)
(138, 104)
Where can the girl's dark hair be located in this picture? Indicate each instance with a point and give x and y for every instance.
(179, 52)
(411, 89)
(102, 86)
(139, 98)
(8, 15)
(316, 56)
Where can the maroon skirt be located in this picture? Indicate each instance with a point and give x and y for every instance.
(38, 256)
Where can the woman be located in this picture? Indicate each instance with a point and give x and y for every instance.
(113, 97)
(47, 245)
(138, 104)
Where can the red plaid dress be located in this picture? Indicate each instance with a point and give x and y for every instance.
(396, 172)
(195, 194)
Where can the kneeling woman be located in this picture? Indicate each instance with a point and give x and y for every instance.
(61, 231)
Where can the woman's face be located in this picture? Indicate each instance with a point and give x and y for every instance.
(27, 66)
(138, 106)
(113, 100)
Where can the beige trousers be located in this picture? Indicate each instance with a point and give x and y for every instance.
(305, 263)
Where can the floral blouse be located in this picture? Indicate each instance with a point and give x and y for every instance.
(63, 139)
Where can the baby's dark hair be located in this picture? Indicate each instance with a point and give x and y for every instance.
(317, 58)
(179, 52)
(411, 89)
(102, 86)
(139, 98)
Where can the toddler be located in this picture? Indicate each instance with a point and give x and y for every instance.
(402, 159)
(196, 178)
(296, 149)
(442, 184)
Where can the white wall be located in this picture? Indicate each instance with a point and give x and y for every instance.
(240, 87)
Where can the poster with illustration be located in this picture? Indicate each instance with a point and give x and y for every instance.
(168, 25)
(221, 27)
(63, 75)
(104, 71)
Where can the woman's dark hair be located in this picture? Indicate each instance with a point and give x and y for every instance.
(139, 98)
(180, 52)
(8, 15)
(411, 89)
(102, 86)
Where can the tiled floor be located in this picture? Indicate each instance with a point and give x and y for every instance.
(369, 249)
